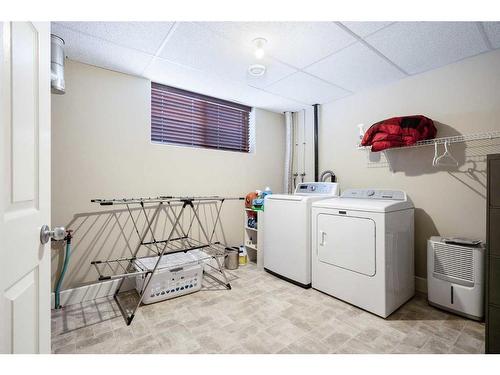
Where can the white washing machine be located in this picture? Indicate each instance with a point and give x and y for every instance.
(287, 228)
(362, 249)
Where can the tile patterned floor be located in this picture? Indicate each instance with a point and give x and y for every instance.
(261, 314)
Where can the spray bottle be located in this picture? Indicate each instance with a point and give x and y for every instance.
(361, 132)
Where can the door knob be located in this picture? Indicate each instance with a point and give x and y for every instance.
(57, 234)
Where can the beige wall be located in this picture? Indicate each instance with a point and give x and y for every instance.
(462, 98)
(101, 149)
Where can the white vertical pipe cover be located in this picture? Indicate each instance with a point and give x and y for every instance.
(288, 182)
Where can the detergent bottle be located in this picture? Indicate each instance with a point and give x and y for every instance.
(243, 257)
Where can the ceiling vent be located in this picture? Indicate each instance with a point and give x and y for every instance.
(256, 70)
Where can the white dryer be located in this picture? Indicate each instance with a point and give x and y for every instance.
(362, 249)
(287, 228)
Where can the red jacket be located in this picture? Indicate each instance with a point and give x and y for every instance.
(398, 131)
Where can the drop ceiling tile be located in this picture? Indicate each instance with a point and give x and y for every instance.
(93, 51)
(492, 30)
(355, 68)
(306, 89)
(295, 43)
(196, 46)
(274, 103)
(142, 36)
(420, 46)
(265, 100)
(181, 76)
(363, 29)
(168, 73)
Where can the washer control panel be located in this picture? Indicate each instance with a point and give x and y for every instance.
(317, 188)
(396, 195)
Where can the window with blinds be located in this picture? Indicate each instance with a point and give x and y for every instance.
(186, 118)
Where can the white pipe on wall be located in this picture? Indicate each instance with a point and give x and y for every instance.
(289, 147)
(303, 174)
(58, 85)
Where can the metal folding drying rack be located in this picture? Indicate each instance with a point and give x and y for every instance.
(177, 241)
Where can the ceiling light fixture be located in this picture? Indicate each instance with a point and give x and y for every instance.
(256, 70)
(259, 44)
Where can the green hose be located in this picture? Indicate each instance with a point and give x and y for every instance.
(63, 272)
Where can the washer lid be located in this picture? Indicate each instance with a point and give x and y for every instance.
(368, 200)
(283, 197)
(308, 191)
(294, 197)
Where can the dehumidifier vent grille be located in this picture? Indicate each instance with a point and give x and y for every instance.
(455, 262)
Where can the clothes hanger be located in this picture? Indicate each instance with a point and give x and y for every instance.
(445, 160)
(435, 154)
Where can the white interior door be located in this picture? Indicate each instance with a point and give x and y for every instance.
(347, 242)
(24, 187)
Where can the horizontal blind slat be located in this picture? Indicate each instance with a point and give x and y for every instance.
(185, 118)
(169, 90)
(176, 123)
(169, 109)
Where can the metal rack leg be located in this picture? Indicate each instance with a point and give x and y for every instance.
(209, 239)
(221, 270)
(141, 240)
(148, 225)
(217, 219)
(148, 279)
(128, 319)
(146, 230)
(195, 212)
(180, 232)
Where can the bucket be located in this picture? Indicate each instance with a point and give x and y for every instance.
(231, 258)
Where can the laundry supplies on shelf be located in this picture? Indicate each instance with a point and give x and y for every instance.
(249, 199)
(255, 199)
(252, 248)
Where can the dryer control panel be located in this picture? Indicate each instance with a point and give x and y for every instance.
(396, 195)
(317, 188)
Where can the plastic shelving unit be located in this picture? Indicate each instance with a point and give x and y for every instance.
(254, 238)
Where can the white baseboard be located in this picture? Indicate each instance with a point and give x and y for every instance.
(421, 284)
(91, 292)
(107, 288)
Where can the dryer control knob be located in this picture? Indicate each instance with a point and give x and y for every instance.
(370, 193)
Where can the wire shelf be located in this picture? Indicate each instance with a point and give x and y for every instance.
(120, 268)
(162, 199)
(442, 140)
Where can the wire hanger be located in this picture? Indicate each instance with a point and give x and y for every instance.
(444, 160)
